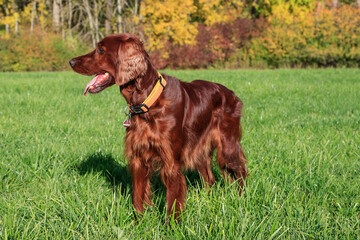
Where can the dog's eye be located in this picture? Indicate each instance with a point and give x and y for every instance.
(100, 50)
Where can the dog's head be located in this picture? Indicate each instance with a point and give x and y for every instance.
(118, 59)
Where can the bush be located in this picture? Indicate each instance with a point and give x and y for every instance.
(292, 36)
(322, 37)
(214, 45)
(38, 51)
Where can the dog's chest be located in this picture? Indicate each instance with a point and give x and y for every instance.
(148, 140)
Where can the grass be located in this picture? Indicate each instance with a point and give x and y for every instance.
(63, 174)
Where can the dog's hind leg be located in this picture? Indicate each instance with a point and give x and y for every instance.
(231, 160)
(230, 155)
(205, 170)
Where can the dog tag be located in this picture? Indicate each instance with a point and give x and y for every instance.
(127, 120)
(126, 123)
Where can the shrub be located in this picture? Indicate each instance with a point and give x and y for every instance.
(322, 37)
(214, 45)
(38, 51)
(292, 36)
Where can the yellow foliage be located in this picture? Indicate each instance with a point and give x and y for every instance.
(176, 21)
(168, 20)
(298, 35)
(41, 8)
(25, 15)
(219, 11)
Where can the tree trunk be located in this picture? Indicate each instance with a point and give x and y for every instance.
(136, 7)
(96, 21)
(16, 15)
(358, 3)
(119, 18)
(7, 26)
(141, 34)
(91, 22)
(56, 15)
(70, 16)
(135, 14)
(16, 25)
(108, 17)
(62, 21)
(33, 13)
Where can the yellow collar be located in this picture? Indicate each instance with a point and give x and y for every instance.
(151, 99)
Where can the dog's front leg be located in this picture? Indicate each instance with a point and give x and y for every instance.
(141, 184)
(175, 190)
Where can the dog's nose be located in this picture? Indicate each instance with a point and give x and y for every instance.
(72, 62)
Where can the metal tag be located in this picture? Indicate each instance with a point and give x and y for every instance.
(127, 121)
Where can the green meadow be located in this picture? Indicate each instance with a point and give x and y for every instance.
(63, 174)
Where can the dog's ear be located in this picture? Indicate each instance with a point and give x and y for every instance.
(131, 64)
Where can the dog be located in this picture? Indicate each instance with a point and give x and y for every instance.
(174, 125)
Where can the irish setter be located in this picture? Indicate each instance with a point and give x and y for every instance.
(181, 130)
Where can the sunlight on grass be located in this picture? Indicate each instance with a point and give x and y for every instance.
(63, 173)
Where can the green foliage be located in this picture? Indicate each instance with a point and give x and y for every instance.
(38, 51)
(265, 8)
(63, 174)
(300, 37)
(187, 34)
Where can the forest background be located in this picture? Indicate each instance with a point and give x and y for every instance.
(44, 34)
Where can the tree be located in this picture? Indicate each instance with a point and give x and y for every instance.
(168, 20)
(33, 14)
(70, 11)
(108, 16)
(56, 15)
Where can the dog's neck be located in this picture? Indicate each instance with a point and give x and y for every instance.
(137, 90)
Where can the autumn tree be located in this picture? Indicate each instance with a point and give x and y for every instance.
(168, 20)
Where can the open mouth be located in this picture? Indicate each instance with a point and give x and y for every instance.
(98, 83)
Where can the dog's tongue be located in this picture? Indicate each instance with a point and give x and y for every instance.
(93, 81)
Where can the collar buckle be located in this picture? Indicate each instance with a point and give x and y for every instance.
(151, 99)
(161, 82)
(138, 109)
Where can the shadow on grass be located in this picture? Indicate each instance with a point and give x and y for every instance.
(105, 164)
(117, 174)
